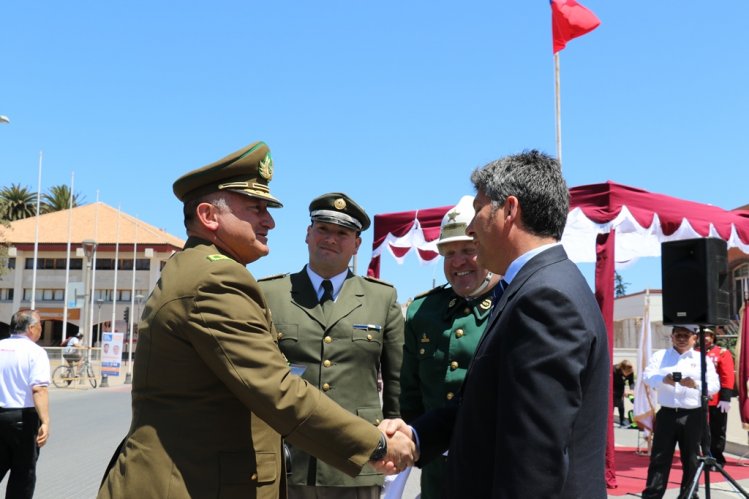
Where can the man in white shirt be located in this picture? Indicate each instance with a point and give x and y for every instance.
(675, 374)
(24, 413)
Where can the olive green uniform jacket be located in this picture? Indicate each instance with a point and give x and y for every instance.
(342, 355)
(442, 332)
(212, 394)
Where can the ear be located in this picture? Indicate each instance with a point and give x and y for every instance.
(207, 216)
(512, 208)
(357, 244)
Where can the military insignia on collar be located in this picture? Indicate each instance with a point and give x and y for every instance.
(340, 204)
(215, 258)
(486, 304)
(452, 303)
(266, 167)
(424, 338)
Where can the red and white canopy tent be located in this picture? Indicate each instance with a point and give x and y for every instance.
(607, 223)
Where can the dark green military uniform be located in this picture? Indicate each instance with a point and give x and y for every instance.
(442, 331)
(342, 355)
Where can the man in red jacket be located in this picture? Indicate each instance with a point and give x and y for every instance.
(720, 403)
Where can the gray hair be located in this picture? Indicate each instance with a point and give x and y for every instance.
(23, 320)
(535, 178)
(217, 199)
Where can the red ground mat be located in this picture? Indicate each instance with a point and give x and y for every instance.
(632, 471)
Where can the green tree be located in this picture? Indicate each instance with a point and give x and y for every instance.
(17, 202)
(58, 199)
(620, 287)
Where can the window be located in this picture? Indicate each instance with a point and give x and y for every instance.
(53, 263)
(44, 294)
(6, 294)
(12, 262)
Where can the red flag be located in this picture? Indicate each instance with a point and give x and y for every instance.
(569, 20)
(743, 374)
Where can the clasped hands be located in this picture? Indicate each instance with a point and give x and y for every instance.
(401, 451)
(686, 382)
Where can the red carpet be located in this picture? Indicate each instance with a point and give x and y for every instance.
(632, 470)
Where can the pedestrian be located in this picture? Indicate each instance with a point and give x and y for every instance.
(443, 327)
(675, 374)
(720, 403)
(24, 403)
(623, 381)
(212, 394)
(341, 337)
(531, 418)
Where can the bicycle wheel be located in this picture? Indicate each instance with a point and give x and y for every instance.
(62, 377)
(90, 374)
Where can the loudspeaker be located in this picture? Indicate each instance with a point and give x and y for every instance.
(694, 275)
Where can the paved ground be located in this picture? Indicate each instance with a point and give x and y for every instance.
(87, 424)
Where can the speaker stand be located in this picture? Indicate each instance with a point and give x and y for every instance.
(707, 461)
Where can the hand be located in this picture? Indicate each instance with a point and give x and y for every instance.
(724, 406)
(42, 435)
(401, 451)
(688, 382)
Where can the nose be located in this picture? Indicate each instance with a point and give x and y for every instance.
(268, 221)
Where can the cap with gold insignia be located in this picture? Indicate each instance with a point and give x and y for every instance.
(338, 208)
(455, 222)
(247, 171)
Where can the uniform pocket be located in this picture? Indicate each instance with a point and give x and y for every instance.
(287, 332)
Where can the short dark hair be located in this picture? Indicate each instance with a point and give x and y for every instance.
(535, 178)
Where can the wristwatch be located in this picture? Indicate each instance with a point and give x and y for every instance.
(380, 450)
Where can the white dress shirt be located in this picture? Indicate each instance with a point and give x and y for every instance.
(668, 361)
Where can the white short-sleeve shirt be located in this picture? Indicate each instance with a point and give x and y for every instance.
(23, 365)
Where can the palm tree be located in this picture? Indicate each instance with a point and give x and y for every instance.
(17, 202)
(58, 199)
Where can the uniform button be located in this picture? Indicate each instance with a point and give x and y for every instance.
(326, 363)
(421, 351)
(453, 365)
(450, 395)
(325, 387)
(369, 337)
(254, 477)
(280, 335)
(377, 421)
(466, 310)
(328, 339)
(459, 333)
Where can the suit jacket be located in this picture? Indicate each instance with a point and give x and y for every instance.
(364, 333)
(534, 406)
(212, 395)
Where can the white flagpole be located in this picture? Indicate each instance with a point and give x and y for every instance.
(93, 269)
(116, 261)
(67, 263)
(644, 408)
(36, 233)
(129, 375)
(558, 107)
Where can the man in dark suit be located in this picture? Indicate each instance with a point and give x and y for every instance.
(212, 393)
(531, 418)
(342, 340)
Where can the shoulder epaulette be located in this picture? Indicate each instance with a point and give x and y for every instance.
(217, 257)
(438, 289)
(272, 277)
(372, 279)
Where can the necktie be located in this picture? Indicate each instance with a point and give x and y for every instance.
(496, 295)
(326, 300)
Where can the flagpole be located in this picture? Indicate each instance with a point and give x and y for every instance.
(558, 107)
(113, 327)
(131, 315)
(36, 233)
(67, 262)
(93, 272)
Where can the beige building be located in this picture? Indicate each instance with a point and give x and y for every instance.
(121, 241)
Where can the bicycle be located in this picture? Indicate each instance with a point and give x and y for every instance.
(65, 374)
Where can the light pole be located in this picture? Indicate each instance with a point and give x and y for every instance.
(4, 119)
(89, 247)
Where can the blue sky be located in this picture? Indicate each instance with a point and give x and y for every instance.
(394, 103)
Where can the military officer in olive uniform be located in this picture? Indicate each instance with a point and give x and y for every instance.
(212, 395)
(342, 337)
(443, 327)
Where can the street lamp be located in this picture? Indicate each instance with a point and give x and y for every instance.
(89, 247)
(4, 119)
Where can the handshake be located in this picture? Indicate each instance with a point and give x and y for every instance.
(401, 448)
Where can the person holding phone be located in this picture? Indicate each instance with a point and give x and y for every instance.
(675, 374)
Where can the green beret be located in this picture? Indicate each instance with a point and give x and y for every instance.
(338, 208)
(246, 171)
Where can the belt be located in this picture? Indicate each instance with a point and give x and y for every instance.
(18, 409)
(677, 410)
